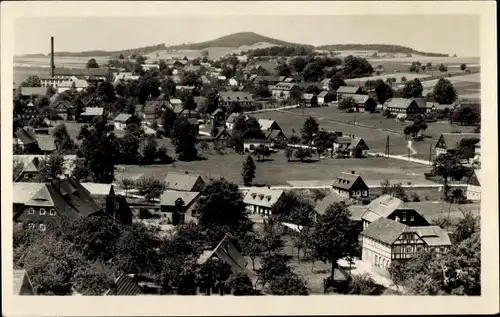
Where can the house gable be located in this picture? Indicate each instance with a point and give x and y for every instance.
(441, 144)
(409, 217)
(359, 184)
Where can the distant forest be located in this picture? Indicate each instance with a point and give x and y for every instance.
(383, 48)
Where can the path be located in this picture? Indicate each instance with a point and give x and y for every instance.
(402, 158)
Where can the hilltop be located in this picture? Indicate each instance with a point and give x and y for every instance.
(247, 40)
(236, 40)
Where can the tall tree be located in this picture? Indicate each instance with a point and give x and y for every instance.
(463, 67)
(50, 167)
(99, 149)
(448, 166)
(92, 63)
(288, 284)
(184, 137)
(149, 187)
(444, 92)
(248, 172)
(130, 143)
(63, 141)
(168, 119)
(335, 235)
(309, 129)
(32, 81)
(413, 89)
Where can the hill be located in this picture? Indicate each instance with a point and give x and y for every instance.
(236, 40)
(381, 48)
(246, 40)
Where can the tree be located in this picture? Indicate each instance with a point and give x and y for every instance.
(298, 63)
(189, 104)
(465, 228)
(221, 205)
(347, 103)
(213, 273)
(313, 71)
(184, 137)
(149, 151)
(309, 129)
(442, 68)
(168, 119)
(212, 100)
(130, 143)
(413, 89)
(383, 91)
(50, 167)
(444, 92)
(363, 285)
(32, 81)
(99, 149)
(463, 67)
(241, 285)
(149, 187)
(92, 63)
(63, 141)
(448, 166)
(261, 152)
(252, 129)
(335, 235)
(106, 92)
(288, 284)
(288, 153)
(336, 82)
(248, 173)
(273, 266)
(283, 69)
(253, 246)
(303, 153)
(127, 184)
(17, 168)
(465, 115)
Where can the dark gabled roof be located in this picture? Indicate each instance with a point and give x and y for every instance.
(328, 200)
(358, 141)
(222, 133)
(273, 134)
(403, 103)
(65, 103)
(345, 181)
(385, 230)
(26, 136)
(382, 206)
(125, 285)
(68, 196)
(475, 178)
(235, 96)
(181, 182)
(452, 140)
(22, 284)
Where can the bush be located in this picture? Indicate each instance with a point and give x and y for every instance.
(146, 214)
(415, 197)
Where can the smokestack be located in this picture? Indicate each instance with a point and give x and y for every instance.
(52, 66)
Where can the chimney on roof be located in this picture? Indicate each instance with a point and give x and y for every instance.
(52, 65)
(352, 172)
(268, 186)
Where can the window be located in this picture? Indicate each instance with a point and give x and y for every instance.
(408, 249)
(42, 227)
(26, 176)
(31, 211)
(52, 212)
(412, 218)
(404, 217)
(365, 193)
(397, 219)
(117, 205)
(42, 211)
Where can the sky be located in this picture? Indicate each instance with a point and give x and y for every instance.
(450, 34)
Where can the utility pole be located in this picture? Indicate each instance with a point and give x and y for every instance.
(387, 147)
(430, 154)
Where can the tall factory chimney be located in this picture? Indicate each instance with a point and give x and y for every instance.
(52, 65)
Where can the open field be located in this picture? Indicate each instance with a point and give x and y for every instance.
(331, 118)
(427, 59)
(60, 61)
(278, 171)
(409, 76)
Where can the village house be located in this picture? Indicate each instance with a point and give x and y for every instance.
(269, 125)
(125, 76)
(393, 208)
(147, 67)
(218, 115)
(115, 205)
(276, 135)
(474, 186)
(184, 182)
(325, 84)
(351, 185)
(223, 137)
(228, 98)
(177, 205)
(124, 285)
(249, 145)
(31, 165)
(57, 201)
(176, 104)
(54, 81)
(266, 80)
(349, 143)
(260, 200)
(46, 143)
(230, 121)
(386, 240)
(22, 283)
(148, 112)
(333, 198)
(63, 109)
(450, 142)
(25, 141)
(122, 120)
(283, 90)
(434, 106)
(227, 251)
(309, 101)
(31, 111)
(326, 97)
(404, 106)
(363, 102)
(91, 113)
(348, 91)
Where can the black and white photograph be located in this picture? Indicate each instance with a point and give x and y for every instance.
(250, 154)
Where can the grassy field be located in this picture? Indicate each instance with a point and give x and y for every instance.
(277, 171)
(331, 118)
(384, 76)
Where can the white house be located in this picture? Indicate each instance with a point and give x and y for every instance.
(260, 200)
(122, 120)
(250, 144)
(474, 186)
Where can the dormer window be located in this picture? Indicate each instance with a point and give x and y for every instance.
(261, 196)
(52, 212)
(254, 195)
(268, 198)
